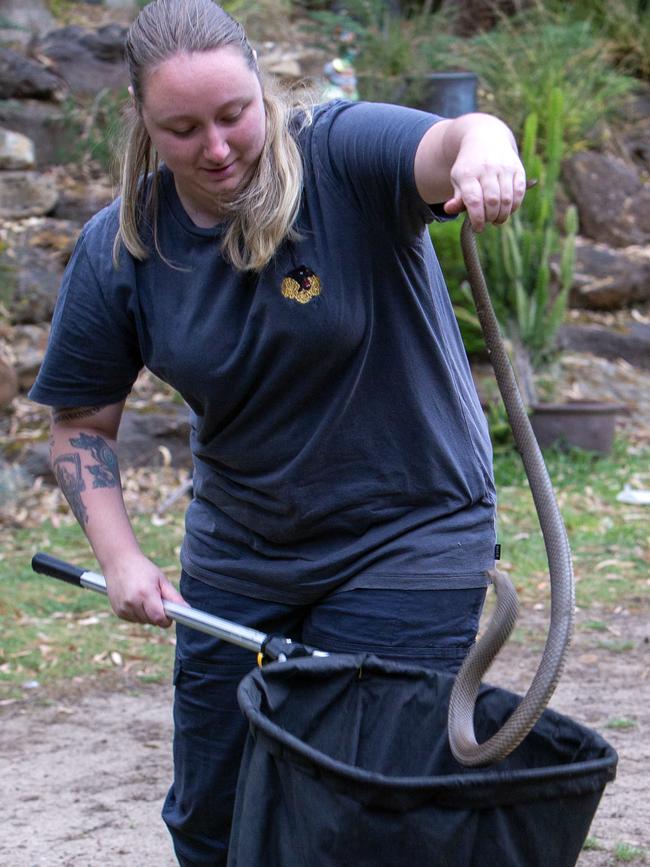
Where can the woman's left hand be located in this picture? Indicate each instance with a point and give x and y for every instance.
(473, 157)
(489, 181)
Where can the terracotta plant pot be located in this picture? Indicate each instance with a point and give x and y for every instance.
(583, 424)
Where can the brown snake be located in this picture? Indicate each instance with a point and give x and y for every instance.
(462, 737)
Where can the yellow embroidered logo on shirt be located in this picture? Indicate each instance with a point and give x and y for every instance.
(301, 285)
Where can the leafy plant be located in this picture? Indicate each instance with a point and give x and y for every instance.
(518, 256)
(624, 25)
(446, 241)
(528, 56)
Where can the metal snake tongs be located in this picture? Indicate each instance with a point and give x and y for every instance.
(462, 738)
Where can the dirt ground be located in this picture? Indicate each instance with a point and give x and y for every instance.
(85, 772)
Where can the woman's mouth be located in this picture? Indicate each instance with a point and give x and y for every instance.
(218, 171)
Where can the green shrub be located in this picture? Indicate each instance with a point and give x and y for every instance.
(624, 26)
(446, 241)
(517, 256)
(529, 55)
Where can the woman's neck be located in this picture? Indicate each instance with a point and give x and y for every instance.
(203, 214)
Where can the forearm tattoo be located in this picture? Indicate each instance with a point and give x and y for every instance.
(68, 471)
(105, 472)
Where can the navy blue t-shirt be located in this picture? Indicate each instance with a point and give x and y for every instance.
(337, 437)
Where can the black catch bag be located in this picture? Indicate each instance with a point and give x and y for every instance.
(347, 764)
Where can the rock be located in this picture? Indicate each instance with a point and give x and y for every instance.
(88, 61)
(35, 462)
(21, 78)
(48, 126)
(106, 43)
(613, 202)
(632, 136)
(16, 150)
(29, 344)
(20, 21)
(607, 278)
(30, 364)
(143, 433)
(13, 480)
(8, 383)
(282, 64)
(26, 194)
(636, 140)
(128, 6)
(81, 198)
(39, 250)
(632, 343)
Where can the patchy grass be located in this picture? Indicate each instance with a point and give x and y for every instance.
(626, 853)
(591, 843)
(621, 724)
(52, 631)
(616, 646)
(594, 626)
(609, 540)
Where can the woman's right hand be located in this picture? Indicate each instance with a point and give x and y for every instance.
(136, 590)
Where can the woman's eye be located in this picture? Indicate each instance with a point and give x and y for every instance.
(233, 117)
(182, 133)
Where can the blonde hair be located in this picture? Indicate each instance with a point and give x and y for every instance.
(262, 215)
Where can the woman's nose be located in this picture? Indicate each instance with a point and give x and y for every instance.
(216, 147)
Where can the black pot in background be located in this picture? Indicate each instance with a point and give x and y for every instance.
(449, 94)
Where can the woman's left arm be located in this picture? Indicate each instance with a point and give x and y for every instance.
(471, 163)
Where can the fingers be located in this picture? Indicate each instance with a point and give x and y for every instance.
(170, 593)
(491, 196)
(141, 601)
(143, 608)
(154, 611)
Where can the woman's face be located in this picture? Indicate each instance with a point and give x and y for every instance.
(205, 115)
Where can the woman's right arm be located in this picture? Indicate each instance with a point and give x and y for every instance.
(83, 453)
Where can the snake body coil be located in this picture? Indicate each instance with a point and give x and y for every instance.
(462, 738)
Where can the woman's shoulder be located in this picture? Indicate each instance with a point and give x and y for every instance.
(94, 257)
(102, 226)
(366, 122)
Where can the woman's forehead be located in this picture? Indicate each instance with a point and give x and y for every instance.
(220, 73)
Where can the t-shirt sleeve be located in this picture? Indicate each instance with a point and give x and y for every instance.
(92, 358)
(369, 150)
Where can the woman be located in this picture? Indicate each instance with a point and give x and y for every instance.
(274, 266)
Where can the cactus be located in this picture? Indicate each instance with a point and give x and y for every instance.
(517, 256)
